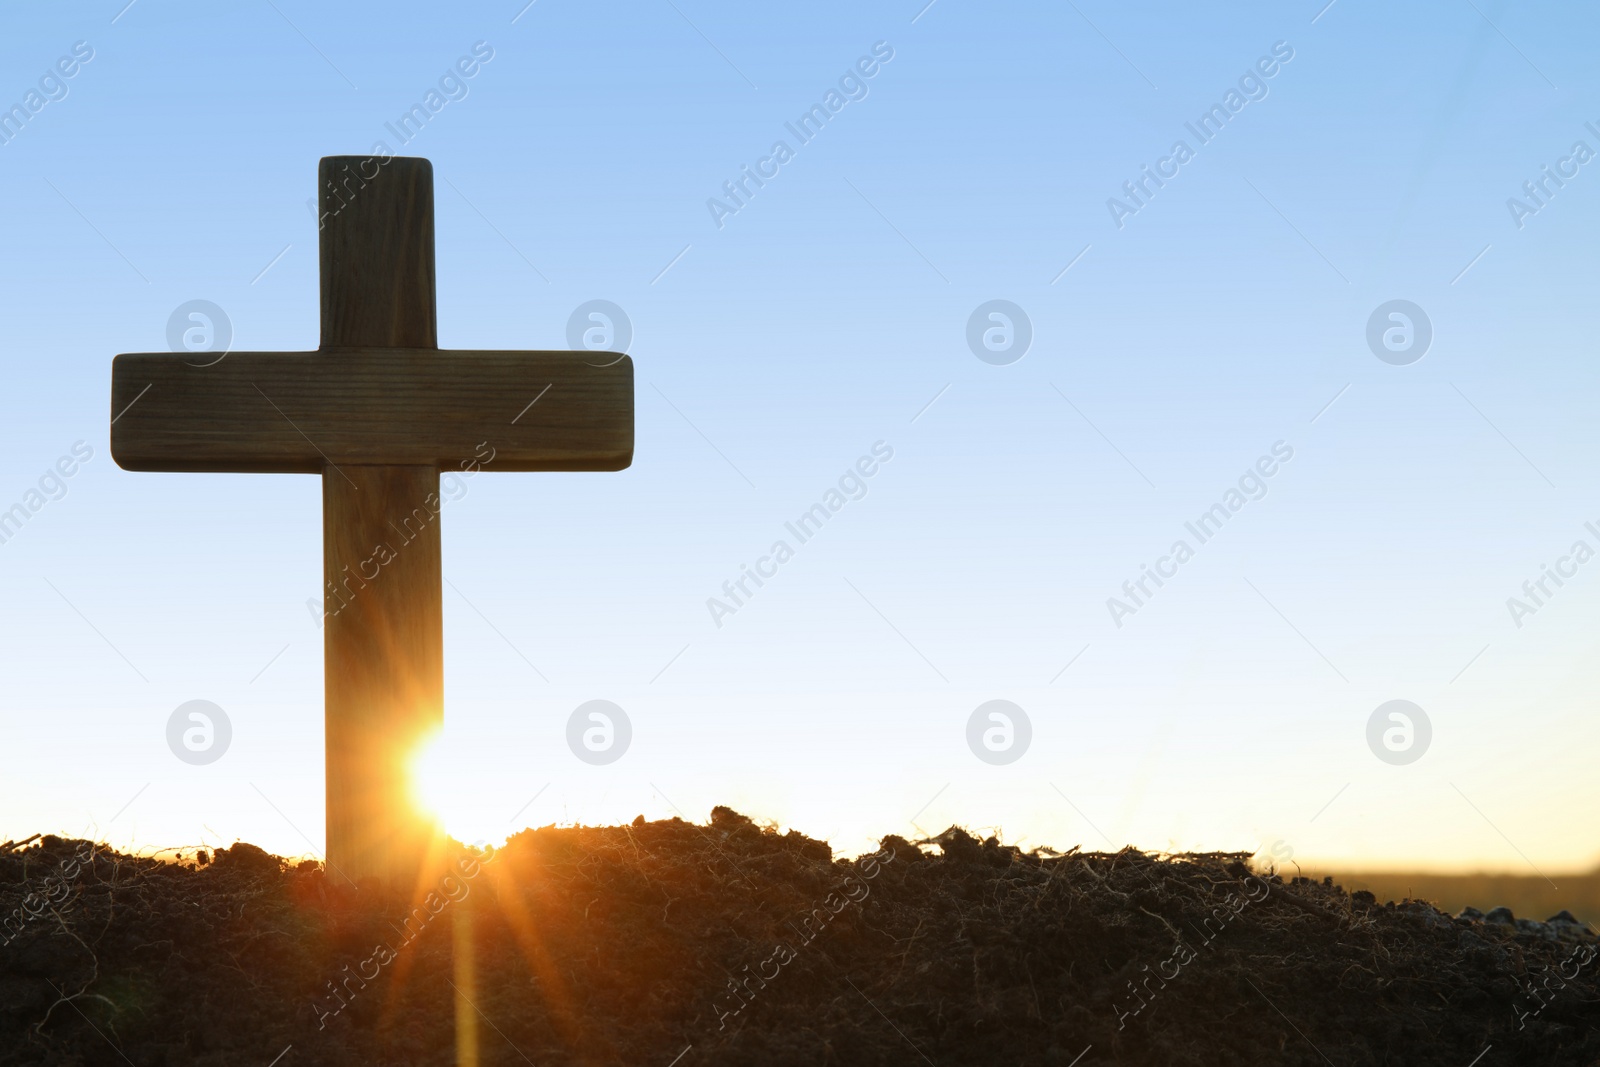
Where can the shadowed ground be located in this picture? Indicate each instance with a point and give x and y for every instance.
(671, 943)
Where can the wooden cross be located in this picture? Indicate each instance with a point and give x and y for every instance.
(377, 410)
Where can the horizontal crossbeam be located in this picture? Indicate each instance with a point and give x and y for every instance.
(298, 412)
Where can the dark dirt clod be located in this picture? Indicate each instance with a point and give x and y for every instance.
(731, 944)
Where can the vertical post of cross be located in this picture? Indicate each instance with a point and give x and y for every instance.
(383, 638)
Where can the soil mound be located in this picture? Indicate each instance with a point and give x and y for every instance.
(679, 944)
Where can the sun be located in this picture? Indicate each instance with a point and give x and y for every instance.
(442, 775)
(430, 790)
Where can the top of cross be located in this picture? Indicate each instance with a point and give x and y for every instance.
(378, 390)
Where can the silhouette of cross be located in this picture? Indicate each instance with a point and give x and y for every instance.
(377, 411)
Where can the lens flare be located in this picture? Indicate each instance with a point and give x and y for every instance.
(442, 779)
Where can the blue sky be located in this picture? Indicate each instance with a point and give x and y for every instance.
(1169, 354)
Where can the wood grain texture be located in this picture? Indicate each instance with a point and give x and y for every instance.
(376, 249)
(377, 410)
(296, 412)
(383, 641)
